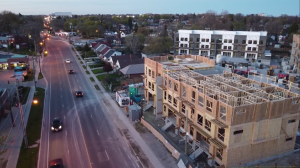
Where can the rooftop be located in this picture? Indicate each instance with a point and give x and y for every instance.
(223, 32)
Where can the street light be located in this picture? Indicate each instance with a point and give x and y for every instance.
(35, 101)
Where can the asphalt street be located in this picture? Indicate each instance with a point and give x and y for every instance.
(88, 137)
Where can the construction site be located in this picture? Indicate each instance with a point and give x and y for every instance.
(234, 120)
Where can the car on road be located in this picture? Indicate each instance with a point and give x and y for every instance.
(56, 163)
(68, 61)
(71, 71)
(56, 124)
(79, 94)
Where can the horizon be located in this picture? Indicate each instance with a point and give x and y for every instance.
(93, 7)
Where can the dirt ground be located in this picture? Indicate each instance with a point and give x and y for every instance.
(292, 161)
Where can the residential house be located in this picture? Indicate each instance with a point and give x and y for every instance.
(114, 60)
(133, 70)
(122, 63)
(102, 53)
(124, 28)
(109, 54)
(3, 42)
(295, 54)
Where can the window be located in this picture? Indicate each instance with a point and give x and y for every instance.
(149, 74)
(261, 42)
(191, 131)
(208, 105)
(185, 39)
(230, 41)
(238, 132)
(181, 45)
(165, 108)
(207, 125)
(260, 49)
(244, 42)
(146, 70)
(152, 74)
(259, 55)
(165, 95)
(166, 79)
(253, 48)
(249, 41)
(152, 86)
(243, 48)
(149, 85)
(170, 84)
(291, 121)
(200, 120)
(202, 40)
(202, 46)
(212, 40)
(225, 47)
(182, 124)
(193, 96)
(146, 82)
(181, 39)
(191, 38)
(234, 54)
(206, 46)
(197, 46)
(254, 41)
(219, 153)
(197, 51)
(221, 134)
(212, 46)
(169, 98)
(225, 40)
(249, 48)
(183, 91)
(223, 113)
(207, 40)
(289, 139)
(229, 48)
(177, 38)
(212, 53)
(174, 102)
(242, 54)
(176, 87)
(183, 108)
(198, 40)
(236, 41)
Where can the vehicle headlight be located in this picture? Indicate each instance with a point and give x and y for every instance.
(60, 127)
(52, 128)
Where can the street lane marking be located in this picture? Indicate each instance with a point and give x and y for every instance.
(106, 155)
(77, 80)
(68, 152)
(63, 105)
(91, 116)
(59, 82)
(98, 133)
(60, 95)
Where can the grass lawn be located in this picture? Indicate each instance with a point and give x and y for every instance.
(25, 93)
(96, 71)
(92, 79)
(99, 77)
(87, 72)
(78, 58)
(97, 87)
(84, 66)
(40, 76)
(29, 157)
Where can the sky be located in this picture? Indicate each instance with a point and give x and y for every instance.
(37, 7)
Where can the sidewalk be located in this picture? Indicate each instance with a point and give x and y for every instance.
(124, 124)
(15, 138)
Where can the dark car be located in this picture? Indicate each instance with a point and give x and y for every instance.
(79, 93)
(56, 124)
(71, 71)
(56, 163)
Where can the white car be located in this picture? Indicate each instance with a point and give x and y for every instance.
(68, 61)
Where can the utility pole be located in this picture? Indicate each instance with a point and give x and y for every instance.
(186, 131)
(22, 117)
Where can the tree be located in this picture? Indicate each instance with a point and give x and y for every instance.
(136, 28)
(130, 23)
(133, 42)
(144, 31)
(107, 68)
(293, 28)
(159, 45)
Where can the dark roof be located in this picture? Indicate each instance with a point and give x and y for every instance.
(109, 53)
(124, 63)
(123, 57)
(104, 50)
(133, 69)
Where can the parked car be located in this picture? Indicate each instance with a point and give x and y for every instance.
(68, 61)
(71, 71)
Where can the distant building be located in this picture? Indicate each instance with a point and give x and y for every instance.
(209, 43)
(261, 14)
(62, 14)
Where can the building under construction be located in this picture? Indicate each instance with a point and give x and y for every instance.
(233, 119)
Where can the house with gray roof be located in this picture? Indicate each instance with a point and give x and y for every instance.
(134, 70)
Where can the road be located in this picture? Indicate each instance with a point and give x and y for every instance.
(89, 138)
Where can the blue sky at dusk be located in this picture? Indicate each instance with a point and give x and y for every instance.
(269, 7)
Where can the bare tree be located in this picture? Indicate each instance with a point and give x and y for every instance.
(133, 42)
(209, 20)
